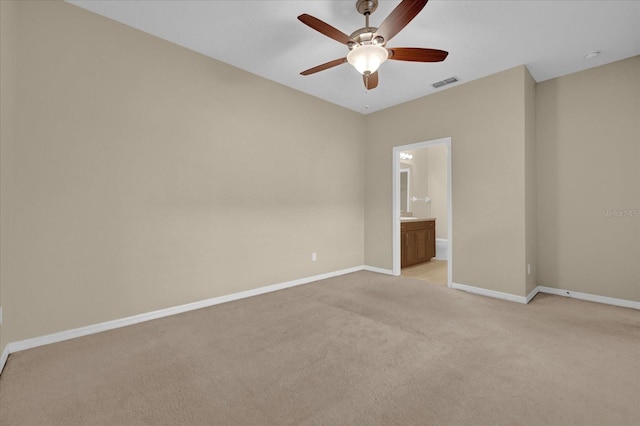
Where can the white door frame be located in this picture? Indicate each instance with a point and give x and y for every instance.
(396, 204)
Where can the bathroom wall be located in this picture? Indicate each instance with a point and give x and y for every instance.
(437, 187)
(419, 183)
(429, 179)
(405, 187)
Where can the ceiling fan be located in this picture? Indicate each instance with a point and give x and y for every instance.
(366, 45)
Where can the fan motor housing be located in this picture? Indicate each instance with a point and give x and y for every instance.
(366, 35)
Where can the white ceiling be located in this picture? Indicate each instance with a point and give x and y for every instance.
(482, 37)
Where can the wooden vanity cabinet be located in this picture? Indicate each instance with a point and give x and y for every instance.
(418, 241)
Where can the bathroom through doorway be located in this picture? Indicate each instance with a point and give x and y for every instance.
(422, 211)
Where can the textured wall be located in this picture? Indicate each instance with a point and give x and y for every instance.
(531, 194)
(147, 176)
(8, 70)
(588, 181)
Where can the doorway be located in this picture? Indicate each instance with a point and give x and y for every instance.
(444, 247)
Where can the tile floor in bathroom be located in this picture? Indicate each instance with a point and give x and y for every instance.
(434, 271)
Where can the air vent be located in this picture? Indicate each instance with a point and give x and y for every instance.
(445, 82)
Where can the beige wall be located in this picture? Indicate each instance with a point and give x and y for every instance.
(8, 51)
(588, 162)
(531, 213)
(147, 176)
(437, 187)
(485, 120)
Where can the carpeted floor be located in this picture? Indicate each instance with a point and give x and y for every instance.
(360, 349)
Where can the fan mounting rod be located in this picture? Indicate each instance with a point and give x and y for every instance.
(365, 35)
(366, 7)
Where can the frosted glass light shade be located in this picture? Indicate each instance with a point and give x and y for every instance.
(367, 58)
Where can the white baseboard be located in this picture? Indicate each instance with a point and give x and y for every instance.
(378, 270)
(590, 297)
(555, 291)
(123, 322)
(491, 293)
(533, 294)
(3, 357)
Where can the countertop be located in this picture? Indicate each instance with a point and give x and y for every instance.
(415, 219)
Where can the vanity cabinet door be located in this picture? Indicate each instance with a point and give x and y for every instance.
(431, 243)
(426, 244)
(421, 246)
(403, 246)
(412, 248)
(417, 242)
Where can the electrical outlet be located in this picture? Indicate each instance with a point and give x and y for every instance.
(314, 257)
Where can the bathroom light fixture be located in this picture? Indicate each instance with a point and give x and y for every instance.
(425, 199)
(405, 156)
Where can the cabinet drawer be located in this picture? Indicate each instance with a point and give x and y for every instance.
(423, 224)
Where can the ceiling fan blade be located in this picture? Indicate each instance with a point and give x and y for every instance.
(399, 18)
(417, 54)
(324, 66)
(371, 80)
(325, 29)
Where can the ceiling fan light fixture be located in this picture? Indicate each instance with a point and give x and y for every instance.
(366, 45)
(367, 58)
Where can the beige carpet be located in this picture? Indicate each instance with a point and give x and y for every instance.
(361, 349)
